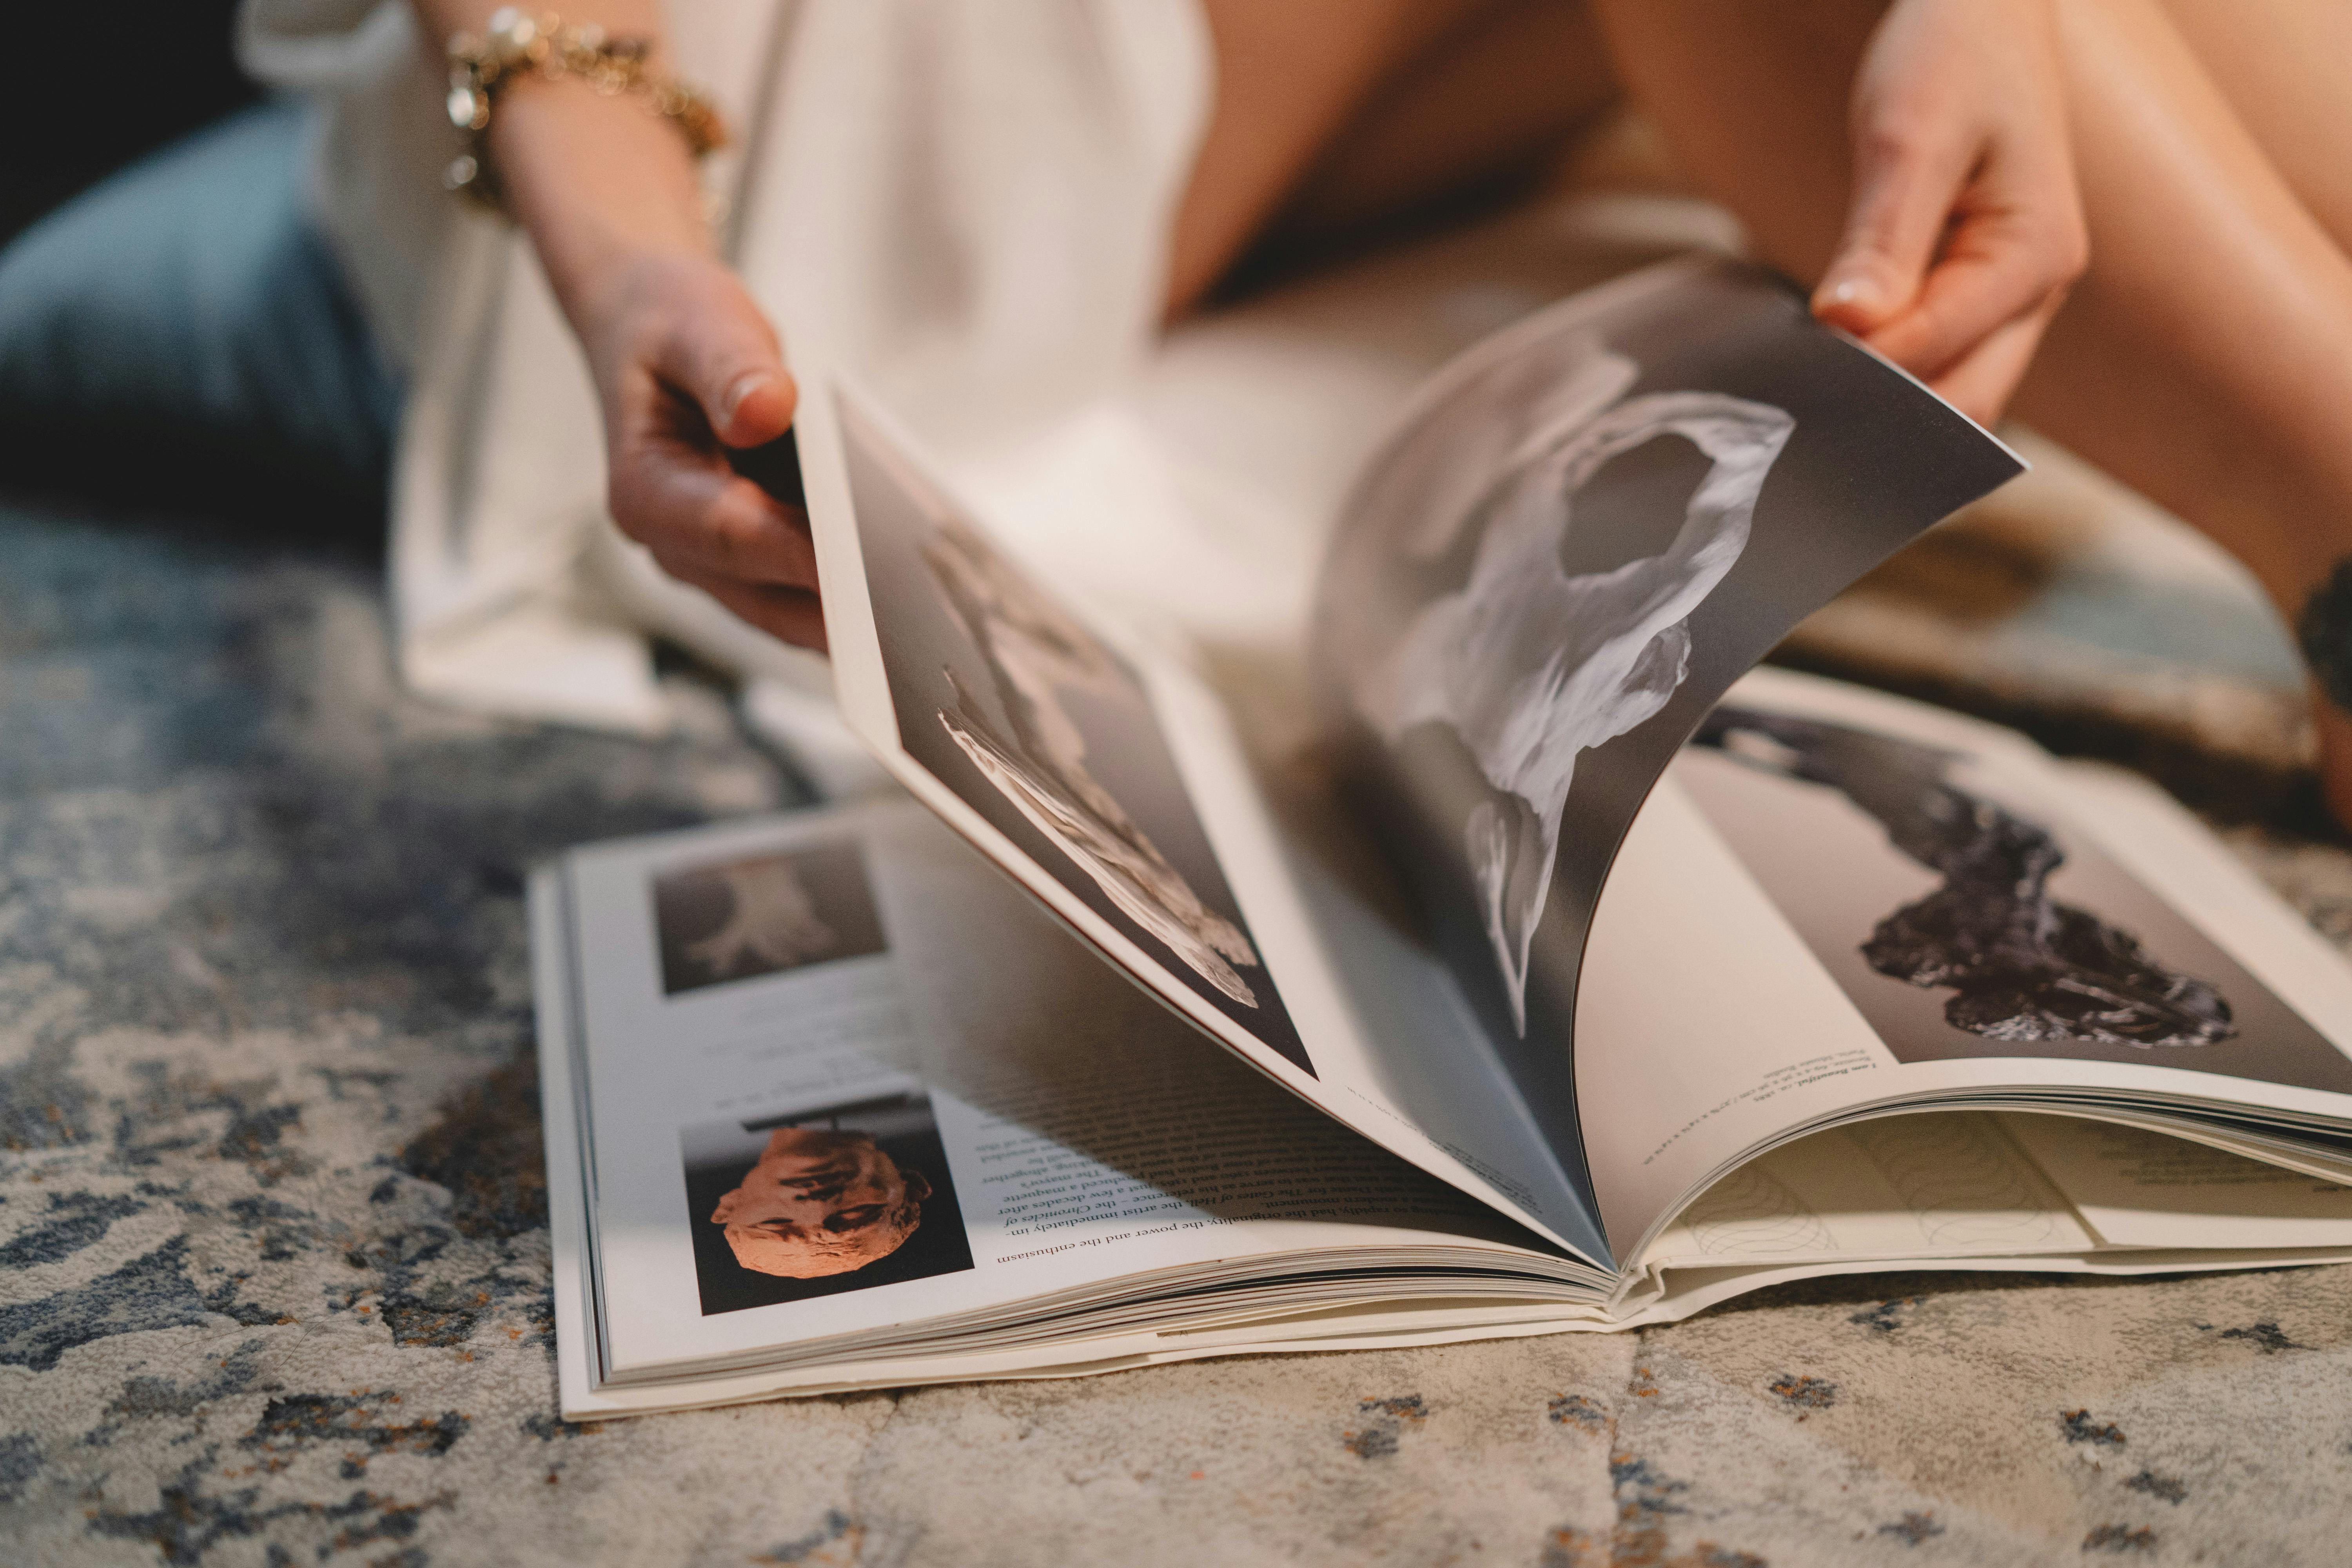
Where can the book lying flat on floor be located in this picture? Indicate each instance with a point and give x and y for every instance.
(1540, 967)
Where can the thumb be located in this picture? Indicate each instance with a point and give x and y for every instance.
(1903, 192)
(722, 353)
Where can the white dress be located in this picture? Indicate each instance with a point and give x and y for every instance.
(968, 201)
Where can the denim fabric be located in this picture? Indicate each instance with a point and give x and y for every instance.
(181, 334)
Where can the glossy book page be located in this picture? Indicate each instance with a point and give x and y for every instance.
(836, 1076)
(1871, 903)
(1103, 775)
(1580, 534)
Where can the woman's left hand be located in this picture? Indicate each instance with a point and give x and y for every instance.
(1965, 227)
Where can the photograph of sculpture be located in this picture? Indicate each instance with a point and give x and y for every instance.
(1963, 923)
(764, 914)
(821, 1201)
(1530, 663)
(1009, 700)
(1586, 530)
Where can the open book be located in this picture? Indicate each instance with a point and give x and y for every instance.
(1571, 976)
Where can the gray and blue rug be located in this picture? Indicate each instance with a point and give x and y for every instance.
(273, 1250)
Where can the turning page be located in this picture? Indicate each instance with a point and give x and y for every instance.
(1103, 775)
(1580, 535)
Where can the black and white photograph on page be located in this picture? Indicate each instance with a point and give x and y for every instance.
(763, 914)
(821, 1200)
(1585, 530)
(1965, 921)
(1010, 702)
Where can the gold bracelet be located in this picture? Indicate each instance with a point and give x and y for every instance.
(520, 44)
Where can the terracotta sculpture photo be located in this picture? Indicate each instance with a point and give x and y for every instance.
(820, 1203)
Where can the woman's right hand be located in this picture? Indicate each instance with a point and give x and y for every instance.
(686, 365)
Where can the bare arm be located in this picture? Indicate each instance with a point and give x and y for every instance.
(684, 364)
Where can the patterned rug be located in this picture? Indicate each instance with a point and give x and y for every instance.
(273, 1254)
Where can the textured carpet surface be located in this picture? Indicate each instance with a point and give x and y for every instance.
(273, 1254)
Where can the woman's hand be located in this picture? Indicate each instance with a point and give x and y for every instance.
(1965, 226)
(687, 366)
(684, 364)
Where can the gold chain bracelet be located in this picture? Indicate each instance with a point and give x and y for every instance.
(518, 45)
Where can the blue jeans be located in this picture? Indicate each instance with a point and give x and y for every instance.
(180, 335)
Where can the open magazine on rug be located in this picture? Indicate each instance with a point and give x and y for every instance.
(1576, 976)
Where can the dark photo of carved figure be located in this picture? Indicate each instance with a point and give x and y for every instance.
(763, 914)
(815, 1201)
(1009, 700)
(1035, 654)
(1965, 925)
(2018, 964)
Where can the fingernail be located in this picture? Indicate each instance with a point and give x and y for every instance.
(1850, 292)
(742, 387)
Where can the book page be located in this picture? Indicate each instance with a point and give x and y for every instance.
(1952, 1185)
(1575, 540)
(1686, 413)
(1931, 1184)
(1705, 1029)
(839, 1074)
(2137, 1188)
(1994, 932)
(1868, 903)
(1101, 774)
